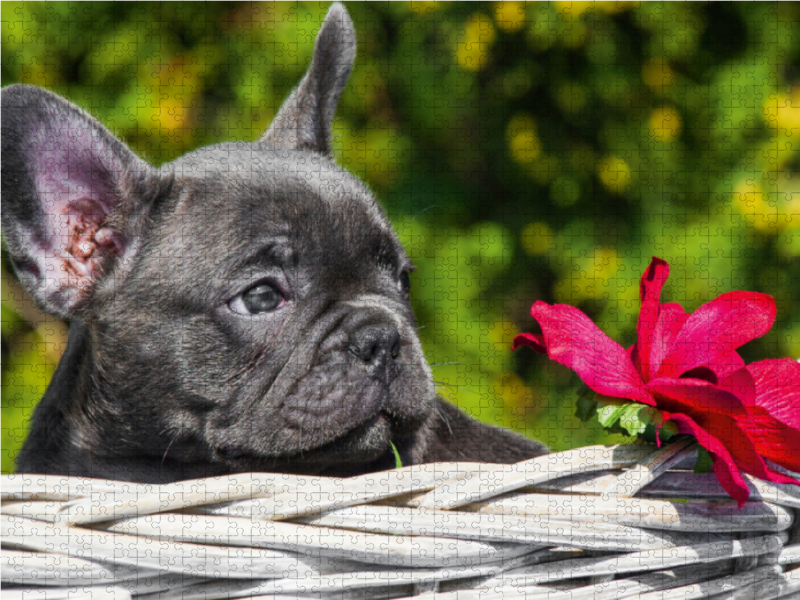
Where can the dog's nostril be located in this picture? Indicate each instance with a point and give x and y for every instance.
(377, 346)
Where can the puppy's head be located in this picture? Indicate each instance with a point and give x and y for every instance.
(246, 306)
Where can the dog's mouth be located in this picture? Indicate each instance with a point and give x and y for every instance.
(333, 420)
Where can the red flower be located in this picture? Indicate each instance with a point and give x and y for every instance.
(687, 367)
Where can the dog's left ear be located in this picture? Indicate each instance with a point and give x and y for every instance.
(304, 121)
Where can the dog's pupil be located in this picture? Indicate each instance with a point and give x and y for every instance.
(261, 298)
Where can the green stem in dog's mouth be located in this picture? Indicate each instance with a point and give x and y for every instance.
(398, 464)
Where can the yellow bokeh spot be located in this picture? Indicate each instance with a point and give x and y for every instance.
(509, 16)
(573, 10)
(376, 155)
(604, 263)
(591, 278)
(767, 217)
(537, 239)
(666, 123)
(790, 342)
(782, 112)
(473, 49)
(750, 201)
(172, 114)
(425, 7)
(614, 173)
(501, 334)
(657, 74)
(35, 73)
(173, 87)
(522, 139)
(513, 391)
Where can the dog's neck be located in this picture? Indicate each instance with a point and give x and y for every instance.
(49, 438)
(65, 412)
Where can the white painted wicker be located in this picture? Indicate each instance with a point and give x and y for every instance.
(601, 522)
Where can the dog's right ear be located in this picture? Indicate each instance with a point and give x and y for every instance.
(304, 121)
(72, 197)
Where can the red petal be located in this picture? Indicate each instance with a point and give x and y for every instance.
(725, 365)
(722, 368)
(650, 294)
(773, 439)
(726, 470)
(740, 383)
(778, 389)
(671, 318)
(718, 328)
(738, 442)
(694, 397)
(574, 341)
(777, 477)
(731, 480)
(741, 442)
(533, 340)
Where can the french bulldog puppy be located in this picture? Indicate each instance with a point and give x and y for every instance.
(244, 308)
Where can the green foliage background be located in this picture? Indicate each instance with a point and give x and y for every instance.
(524, 152)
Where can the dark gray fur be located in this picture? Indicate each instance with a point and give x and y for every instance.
(162, 379)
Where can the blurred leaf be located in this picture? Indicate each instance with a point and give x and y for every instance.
(586, 406)
(704, 463)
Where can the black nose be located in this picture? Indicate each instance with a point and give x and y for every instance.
(378, 346)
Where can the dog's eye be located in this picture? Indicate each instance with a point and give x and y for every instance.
(260, 298)
(404, 283)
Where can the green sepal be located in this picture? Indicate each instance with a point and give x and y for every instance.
(636, 417)
(628, 418)
(609, 410)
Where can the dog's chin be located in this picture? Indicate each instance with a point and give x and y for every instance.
(348, 454)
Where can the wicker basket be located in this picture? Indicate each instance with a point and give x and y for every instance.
(592, 523)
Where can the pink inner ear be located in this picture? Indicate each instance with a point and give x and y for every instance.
(86, 242)
(75, 182)
(77, 246)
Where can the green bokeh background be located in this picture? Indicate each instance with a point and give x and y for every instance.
(540, 151)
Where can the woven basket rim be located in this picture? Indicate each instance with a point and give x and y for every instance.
(598, 517)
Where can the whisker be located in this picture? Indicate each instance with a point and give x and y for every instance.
(463, 388)
(171, 441)
(444, 418)
(407, 225)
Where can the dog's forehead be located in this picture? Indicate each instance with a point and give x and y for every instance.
(259, 192)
